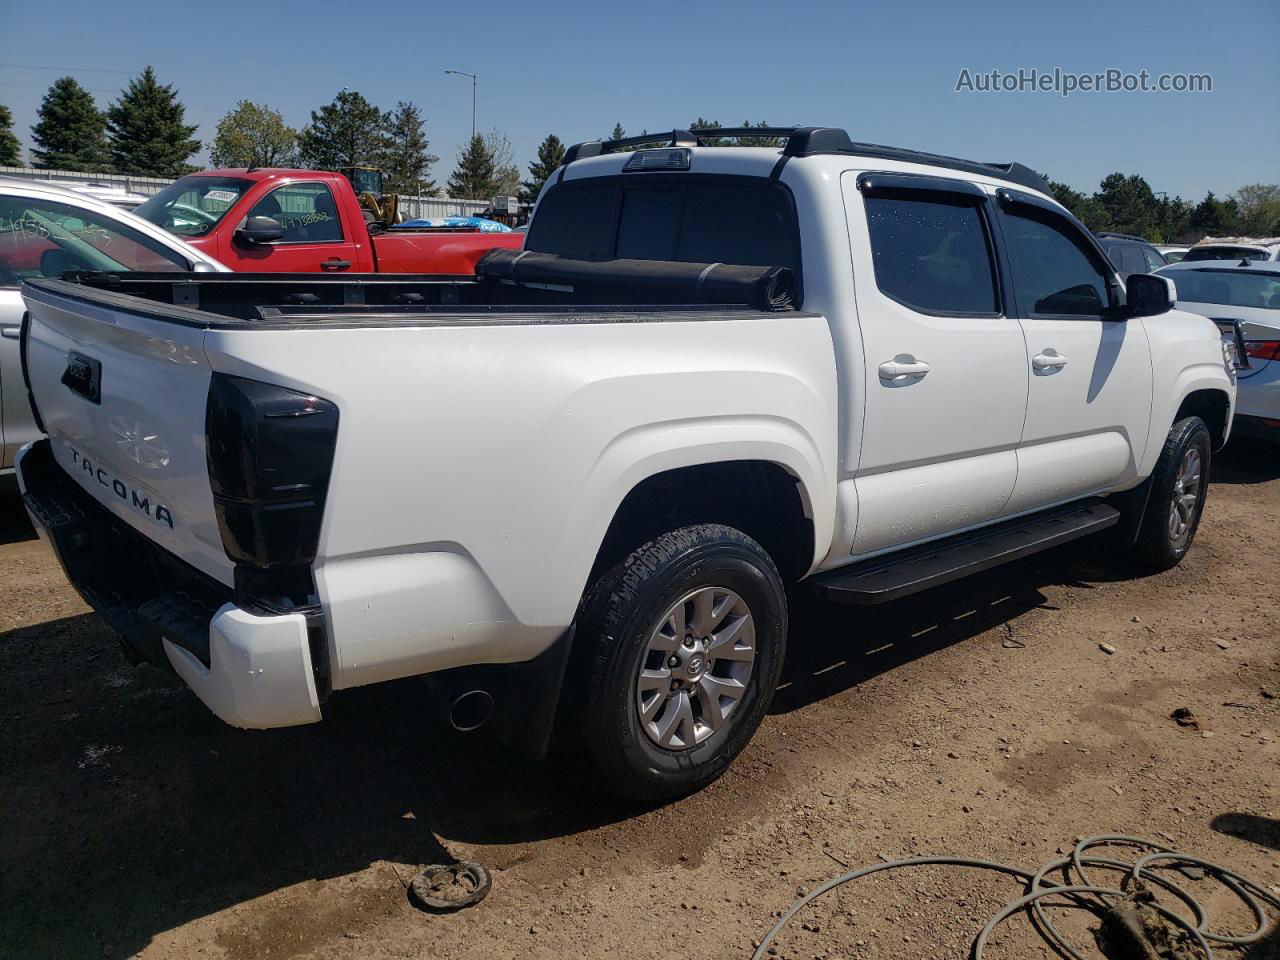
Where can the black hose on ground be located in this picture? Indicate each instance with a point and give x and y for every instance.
(1109, 903)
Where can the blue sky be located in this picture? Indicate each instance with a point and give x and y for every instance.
(887, 72)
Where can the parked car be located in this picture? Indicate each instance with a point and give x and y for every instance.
(1130, 254)
(576, 490)
(296, 221)
(1248, 291)
(1235, 248)
(1172, 254)
(111, 193)
(46, 229)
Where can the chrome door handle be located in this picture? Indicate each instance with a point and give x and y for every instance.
(10, 333)
(1048, 361)
(902, 367)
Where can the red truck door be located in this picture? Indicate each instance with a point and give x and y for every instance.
(315, 237)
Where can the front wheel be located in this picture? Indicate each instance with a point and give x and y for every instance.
(682, 646)
(1179, 484)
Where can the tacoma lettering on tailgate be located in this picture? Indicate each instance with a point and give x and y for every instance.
(125, 491)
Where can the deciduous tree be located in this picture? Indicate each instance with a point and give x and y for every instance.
(506, 175)
(1259, 205)
(254, 135)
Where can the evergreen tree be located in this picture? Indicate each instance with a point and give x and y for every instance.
(1129, 203)
(701, 124)
(148, 131)
(71, 133)
(474, 176)
(348, 132)
(253, 135)
(406, 161)
(550, 156)
(759, 141)
(1209, 218)
(619, 134)
(10, 149)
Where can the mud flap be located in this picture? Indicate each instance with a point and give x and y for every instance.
(525, 695)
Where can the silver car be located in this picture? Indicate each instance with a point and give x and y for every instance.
(46, 230)
(1248, 291)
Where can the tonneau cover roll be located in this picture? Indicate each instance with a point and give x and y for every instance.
(644, 281)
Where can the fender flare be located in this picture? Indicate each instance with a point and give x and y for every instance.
(644, 451)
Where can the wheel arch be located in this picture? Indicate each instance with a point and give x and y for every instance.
(1213, 406)
(760, 498)
(675, 472)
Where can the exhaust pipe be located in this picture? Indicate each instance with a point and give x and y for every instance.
(471, 710)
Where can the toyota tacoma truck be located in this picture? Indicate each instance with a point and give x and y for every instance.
(295, 221)
(573, 489)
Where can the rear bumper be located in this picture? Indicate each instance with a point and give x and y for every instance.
(251, 668)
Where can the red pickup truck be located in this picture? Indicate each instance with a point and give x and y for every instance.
(301, 221)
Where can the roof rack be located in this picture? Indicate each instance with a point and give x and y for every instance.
(1112, 235)
(808, 142)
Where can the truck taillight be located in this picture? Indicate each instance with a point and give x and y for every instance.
(1263, 349)
(270, 453)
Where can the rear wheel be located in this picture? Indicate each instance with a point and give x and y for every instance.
(1179, 484)
(679, 648)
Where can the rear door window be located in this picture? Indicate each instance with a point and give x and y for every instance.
(932, 253)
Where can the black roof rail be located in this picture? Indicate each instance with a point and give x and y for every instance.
(812, 141)
(1112, 235)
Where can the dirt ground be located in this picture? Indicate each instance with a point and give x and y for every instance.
(981, 719)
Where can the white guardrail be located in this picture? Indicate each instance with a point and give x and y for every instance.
(410, 207)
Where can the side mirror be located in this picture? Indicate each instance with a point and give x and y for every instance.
(260, 230)
(1147, 295)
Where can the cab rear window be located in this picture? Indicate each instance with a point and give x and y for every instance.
(692, 219)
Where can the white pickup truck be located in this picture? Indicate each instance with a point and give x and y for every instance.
(573, 490)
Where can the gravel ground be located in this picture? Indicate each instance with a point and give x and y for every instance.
(981, 719)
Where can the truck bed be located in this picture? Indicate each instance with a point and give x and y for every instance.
(473, 440)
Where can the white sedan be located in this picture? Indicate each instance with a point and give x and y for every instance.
(1248, 291)
(46, 230)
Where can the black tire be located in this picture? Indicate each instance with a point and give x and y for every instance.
(1155, 545)
(614, 626)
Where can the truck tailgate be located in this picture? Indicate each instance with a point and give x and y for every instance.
(122, 396)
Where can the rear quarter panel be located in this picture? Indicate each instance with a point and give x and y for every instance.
(478, 466)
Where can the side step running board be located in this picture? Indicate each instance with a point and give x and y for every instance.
(887, 578)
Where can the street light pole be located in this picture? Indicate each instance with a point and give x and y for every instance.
(472, 77)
